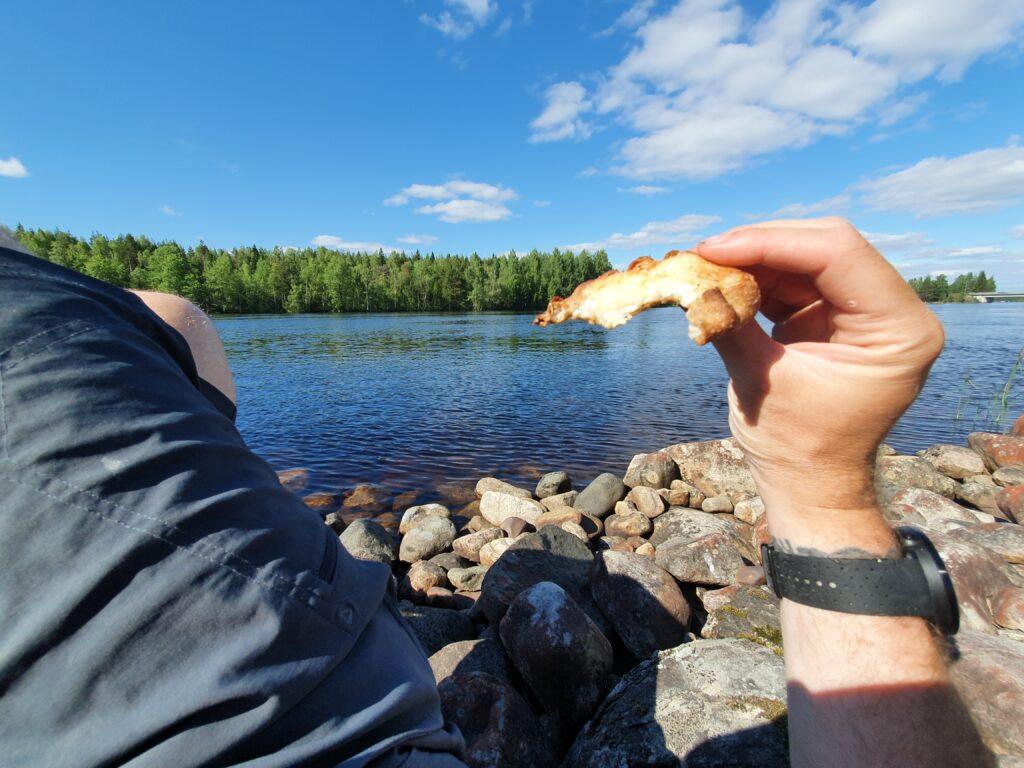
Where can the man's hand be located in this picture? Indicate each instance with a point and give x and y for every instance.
(850, 350)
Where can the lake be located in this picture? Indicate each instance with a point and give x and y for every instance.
(409, 401)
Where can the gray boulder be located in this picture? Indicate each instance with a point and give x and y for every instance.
(550, 554)
(697, 547)
(485, 484)
(553, 484)
(599, 498)
(989, 676)
(955, 461)
(430, 536)
(485, 654)
(647, 501)
(367, 540)
(1007, 476)
(436, 627)
(712, 704)
(561, 654)
(715, 467)
(641, 600)
(745, 612)
(469, 546)
(413, 515)
(468, 579)
(652, 470)
(496, 506)
(912, 472)
(499, 727)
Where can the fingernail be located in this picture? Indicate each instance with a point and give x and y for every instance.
(717, 239)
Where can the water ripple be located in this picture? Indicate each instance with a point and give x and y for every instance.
(412, 401)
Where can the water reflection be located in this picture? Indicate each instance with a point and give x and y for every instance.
(412, 401)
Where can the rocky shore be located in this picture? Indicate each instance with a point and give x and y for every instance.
(626, 623)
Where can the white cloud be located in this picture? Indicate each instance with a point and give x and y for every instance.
(546, 203)
(977, 250)
(503, 28)
(1017, 231)
(566, 102)
(829, 205)
(463, 210)
(907, 242)
(463, 20)
(645, 189)
(451, 189)
(678, 231)
(13, 168)
(937, 186)
(632, 18)
(461, 200)
(168, 210)
(418, 239)
(339, 244)
(921, 37)
(708, 89)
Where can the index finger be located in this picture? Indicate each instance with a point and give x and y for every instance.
(845, 268)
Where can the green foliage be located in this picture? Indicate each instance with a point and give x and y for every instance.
(939, 289)
(252, 279)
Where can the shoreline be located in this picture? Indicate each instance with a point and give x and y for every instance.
(486, 582)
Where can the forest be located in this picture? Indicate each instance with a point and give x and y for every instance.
(250, 279)
(939, 289)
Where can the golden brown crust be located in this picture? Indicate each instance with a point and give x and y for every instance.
(718, 299)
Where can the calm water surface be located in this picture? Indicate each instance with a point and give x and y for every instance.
(411, 401)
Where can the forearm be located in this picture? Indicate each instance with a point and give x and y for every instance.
(864, 690)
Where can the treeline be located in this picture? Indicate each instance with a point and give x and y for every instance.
(939, 289)
(253, 279)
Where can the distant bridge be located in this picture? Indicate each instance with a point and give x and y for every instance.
(984, 297)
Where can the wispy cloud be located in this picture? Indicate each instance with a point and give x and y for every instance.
(459, 200)
(939, 186)
(977, 250)
(680, 231)
(632, 18)
(541, 203)
(1017, 231)
(13, 168)
(464, 18)
(829, 205)
(340, 244)
(708, 89)
(561, 118)
(168, 210)
(417, 239)
(462, 210)
(645, 189)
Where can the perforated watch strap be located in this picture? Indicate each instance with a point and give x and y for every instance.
(868, 586)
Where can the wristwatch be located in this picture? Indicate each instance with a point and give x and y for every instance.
(915, 585)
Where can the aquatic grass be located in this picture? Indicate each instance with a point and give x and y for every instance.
(1001, 399)
(991, 414)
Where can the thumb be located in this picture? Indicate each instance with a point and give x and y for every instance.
(748, 354)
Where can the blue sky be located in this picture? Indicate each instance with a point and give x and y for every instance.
(487, 125)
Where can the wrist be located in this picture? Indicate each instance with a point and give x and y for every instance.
(831, 532)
